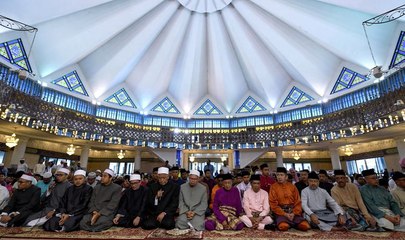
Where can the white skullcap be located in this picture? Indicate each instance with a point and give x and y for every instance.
(195, 172)
(135, 177)
(63, 161)
(92, 175)
(1, 164)
(98, 170)
(163, 170)
(98, 178)
(26, 177)
(47, 175)
(64, 170)
(80, 172)
(110, 172)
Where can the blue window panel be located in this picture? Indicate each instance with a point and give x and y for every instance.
(60, 99)
(121, 115)
(250, 105)
(347, 79)
(306, 112)
(138, 119)
(165, 106)
(225, 123)
(208, 108)
(234, 123)
(191, 124)
(242, 122)
(72, 82)
(147, 120)
(259, 121)
(316, 111)
(130, 117)
(250, 121)
(207, 123)
(174, 122)
(296, 114)
(199, 123)
(121, 98)
(14, 52)
(166, 122)
(296, 96)
(111, 113)
(71, 103)
(157, 121)
(101, 112)
(399, 53)
(216, 123)
(182, 123)
(268, 120)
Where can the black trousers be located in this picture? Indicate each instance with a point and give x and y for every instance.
(71, 224)
(150, 222)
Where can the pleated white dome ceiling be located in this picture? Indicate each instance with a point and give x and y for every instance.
(191, 51)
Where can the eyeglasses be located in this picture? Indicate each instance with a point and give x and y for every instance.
(22, 182)
(58, 175)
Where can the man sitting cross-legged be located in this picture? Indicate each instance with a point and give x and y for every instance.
(23, 202)
(256, 205)
(285, 202)
(381, 204)
(103, 204)
(348, 196)
(192, 203)
(72, 207)
(319, 207)
(132, 204)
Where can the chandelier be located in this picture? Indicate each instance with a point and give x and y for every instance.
(192, 158)
(11, 141)
(296, 155)
(121, 154)
(348, 150)
(223, 158)
(71, 149)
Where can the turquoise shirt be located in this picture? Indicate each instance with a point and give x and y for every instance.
(377, 196)
(43, 186)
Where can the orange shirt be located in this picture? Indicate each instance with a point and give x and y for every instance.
(214, 191)
(284, 194)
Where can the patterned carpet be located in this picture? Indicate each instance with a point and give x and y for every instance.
(158, 234)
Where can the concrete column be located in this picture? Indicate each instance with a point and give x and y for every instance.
(19, 151)
(84, 156)
(334, 155)
(279, 158)
(137, 160)
(401, 147)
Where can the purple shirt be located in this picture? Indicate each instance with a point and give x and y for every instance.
(227, 198)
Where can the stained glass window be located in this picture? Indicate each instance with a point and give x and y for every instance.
(399, 53)
(347, 79)
(208, 108)
(14, 52)
(250, 105)
(72, 82)
(121, 98)
(295, 97)
(166, 106)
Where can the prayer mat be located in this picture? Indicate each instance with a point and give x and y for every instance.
(175, 234)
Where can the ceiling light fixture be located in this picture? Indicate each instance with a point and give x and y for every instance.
(121, 154)
(70, 150)
(192, 158)
(11, 141)
(296, 155)
(348, 150)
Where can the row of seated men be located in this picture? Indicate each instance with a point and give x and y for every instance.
(165, 204)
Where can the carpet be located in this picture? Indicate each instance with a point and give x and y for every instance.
(173, 234)
(160, 234)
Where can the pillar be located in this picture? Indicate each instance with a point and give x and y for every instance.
(279, 158)
(137, 160)
(334, 155)
(19, 151)
(401, 147)
(237, 159)
(84, 156)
